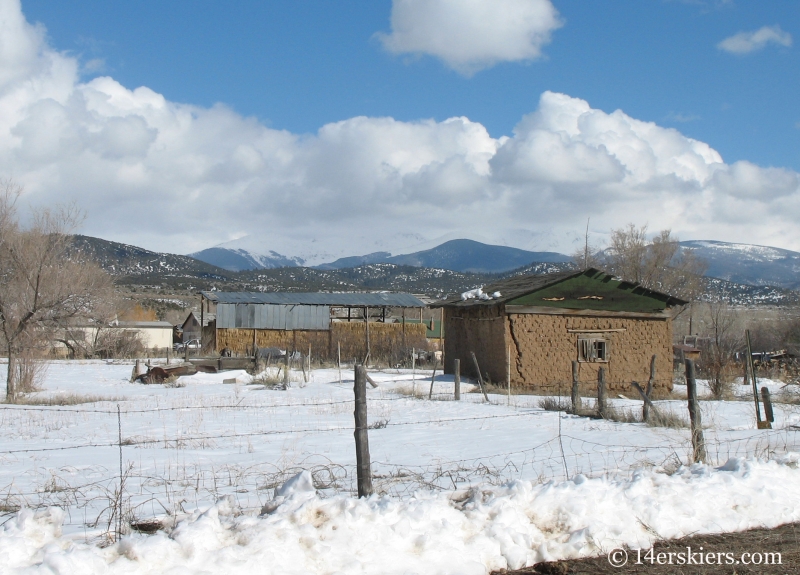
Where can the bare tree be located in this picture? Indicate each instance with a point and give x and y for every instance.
(659, 264)
(42, 284)
(724, 340)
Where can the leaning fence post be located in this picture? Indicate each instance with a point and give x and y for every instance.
(601, 392)
(480, 377)
(363, 470)
(457, 379)
(576, 396)
(433, 378)
(695, 418)
(649, 390)
(767, 406)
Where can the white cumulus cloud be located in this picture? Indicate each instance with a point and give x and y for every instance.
(470, 35)
(746, 42)
(176, 177)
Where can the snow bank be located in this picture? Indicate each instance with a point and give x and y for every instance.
(457, 532)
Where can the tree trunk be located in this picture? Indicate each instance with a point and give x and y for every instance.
(11, 391)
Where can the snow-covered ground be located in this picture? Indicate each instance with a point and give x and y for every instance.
(463, 487)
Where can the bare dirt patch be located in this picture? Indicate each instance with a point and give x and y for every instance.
(764, 545)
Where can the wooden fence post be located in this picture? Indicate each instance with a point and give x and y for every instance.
(759, 423)
(576, 396)
(413, 372)
(767, 406)
(457, 378)
(433, 377)
(286, 369)
(339, 359)
(601, 392)
(695, 417)
(649, 390)
(363, 468)
(508, 373)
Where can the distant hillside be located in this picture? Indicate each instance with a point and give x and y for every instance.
(126, 260)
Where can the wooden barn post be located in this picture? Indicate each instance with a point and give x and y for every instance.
(366, 333)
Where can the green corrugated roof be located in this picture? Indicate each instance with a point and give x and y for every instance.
(589, 289)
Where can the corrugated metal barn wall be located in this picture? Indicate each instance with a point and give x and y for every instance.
(273, 316)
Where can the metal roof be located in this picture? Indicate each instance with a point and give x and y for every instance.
(330, 299)
(143, 324)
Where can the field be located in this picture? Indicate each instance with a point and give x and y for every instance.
(464, 487)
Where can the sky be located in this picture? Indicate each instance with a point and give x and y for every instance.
(324, 129)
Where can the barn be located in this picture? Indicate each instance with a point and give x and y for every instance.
(530, 329)
(350, 324)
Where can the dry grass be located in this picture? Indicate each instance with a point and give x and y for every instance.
(555, 404)
(621, 415)
(411, 391)
(273, 378)
(666, 419)
(66, 399)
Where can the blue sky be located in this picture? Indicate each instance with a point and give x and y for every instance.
(288, 69)
(301, 64)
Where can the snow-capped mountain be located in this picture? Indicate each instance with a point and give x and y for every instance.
(739, 263)
(748, 264)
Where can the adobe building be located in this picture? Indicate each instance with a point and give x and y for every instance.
(533, 327)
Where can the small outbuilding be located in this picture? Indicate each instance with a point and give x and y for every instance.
(530, 329)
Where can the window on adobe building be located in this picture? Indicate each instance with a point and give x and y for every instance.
(592, 349)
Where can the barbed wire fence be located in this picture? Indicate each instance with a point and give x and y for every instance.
(120, 494)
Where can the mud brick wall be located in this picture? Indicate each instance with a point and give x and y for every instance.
(543, 350)
(479, 329)
(385, 339)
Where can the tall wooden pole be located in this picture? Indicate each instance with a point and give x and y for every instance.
(753, 378)
(363, 467)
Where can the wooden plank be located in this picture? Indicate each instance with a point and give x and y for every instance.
(542, 310)
(645, 398)
(597, 330)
